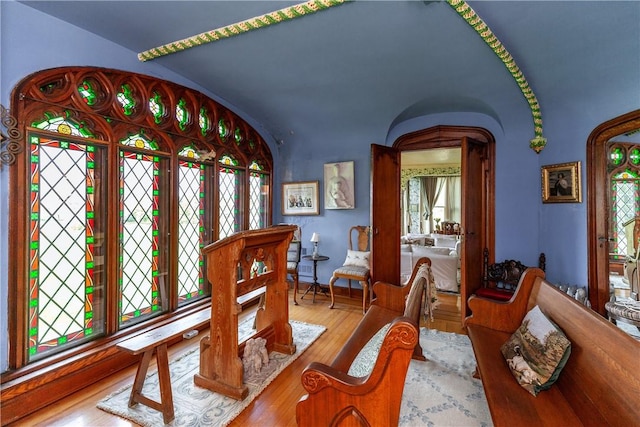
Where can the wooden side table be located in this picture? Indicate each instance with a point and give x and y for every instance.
(315, 286)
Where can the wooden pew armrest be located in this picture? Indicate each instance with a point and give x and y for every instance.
(504, 316)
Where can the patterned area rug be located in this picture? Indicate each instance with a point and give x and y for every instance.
(442, 390)
(195, 406)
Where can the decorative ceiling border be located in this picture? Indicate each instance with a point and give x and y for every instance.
(262, 21)
(469, 15)
(408, 173)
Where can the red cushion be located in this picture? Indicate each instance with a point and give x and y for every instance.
(493, 293)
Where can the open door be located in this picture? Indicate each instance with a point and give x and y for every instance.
(478, 183)
(475, 217)
(385, 214)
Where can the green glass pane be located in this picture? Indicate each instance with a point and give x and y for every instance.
(203, 121)
(156, 107)
(126, 100)
(616, 155)
(223, 130)
(87, 93)
(634, 156)
(182, 114)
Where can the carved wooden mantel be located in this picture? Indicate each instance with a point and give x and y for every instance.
(237, 265)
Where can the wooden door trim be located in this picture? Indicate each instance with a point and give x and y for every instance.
(452, 136)
(598, 203)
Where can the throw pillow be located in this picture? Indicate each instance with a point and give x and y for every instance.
(357, 259)
(363, 363)
(536, 352)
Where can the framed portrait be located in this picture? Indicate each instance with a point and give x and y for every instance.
(300, 198)
(561, 183)
(339, 191)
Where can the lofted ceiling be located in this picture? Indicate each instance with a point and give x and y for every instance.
(359, 68)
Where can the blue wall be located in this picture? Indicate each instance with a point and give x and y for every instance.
(524, 226)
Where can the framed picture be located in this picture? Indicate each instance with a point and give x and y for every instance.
(338, 186)
(300, 198)
(561, 183)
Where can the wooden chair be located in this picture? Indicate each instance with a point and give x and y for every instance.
(500, 280)
(293, 259)
(627, 310)
(356, 266)
(366, 390)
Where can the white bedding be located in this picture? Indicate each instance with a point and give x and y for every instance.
(444, 267)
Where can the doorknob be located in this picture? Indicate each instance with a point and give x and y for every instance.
(604, 239)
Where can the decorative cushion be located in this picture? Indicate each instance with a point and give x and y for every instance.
(363, 363)
(357, 259)
(292, 265)
(352, 270)
(536, 352)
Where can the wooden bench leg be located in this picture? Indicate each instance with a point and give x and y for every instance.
(166, 396)
(136, 390)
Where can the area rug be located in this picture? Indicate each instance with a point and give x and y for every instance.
(195, 406)
(442, 391)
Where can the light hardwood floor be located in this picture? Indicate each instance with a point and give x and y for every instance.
(276, 406)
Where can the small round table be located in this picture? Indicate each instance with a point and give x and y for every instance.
(315, 285)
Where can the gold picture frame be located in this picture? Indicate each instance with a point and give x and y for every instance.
(561, 183)
(300, 198)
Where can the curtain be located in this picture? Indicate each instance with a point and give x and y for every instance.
(453, 199)
(430, 187)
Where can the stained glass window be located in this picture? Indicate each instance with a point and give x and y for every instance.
(87, 93)
(126, 100)
(156, 107)
(625, 196)
(182, 114)
(62, 125)
(258, 196)
(229, 179)
(113, 233)
(223, 129)
(65, 254)
(191, 229)
(203, 121)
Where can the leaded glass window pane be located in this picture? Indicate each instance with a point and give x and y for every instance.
(64, 224)
(229, 179)
(191, 230)
(139, 230)
(625, 195)
(126, 100)
(62, 125)
(258, 197)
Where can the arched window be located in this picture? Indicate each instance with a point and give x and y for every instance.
(126, 178)
(624, 178)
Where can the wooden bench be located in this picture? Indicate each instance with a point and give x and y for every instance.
(599, 385)
(334, 397)
(155, 341)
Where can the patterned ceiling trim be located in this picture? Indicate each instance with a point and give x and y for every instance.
(262, 21)
(410, 173)
(469, 15)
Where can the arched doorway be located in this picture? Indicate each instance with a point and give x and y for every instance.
(478, 183)
(598, 202)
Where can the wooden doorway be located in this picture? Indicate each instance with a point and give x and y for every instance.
(598, 202)
(478, 184)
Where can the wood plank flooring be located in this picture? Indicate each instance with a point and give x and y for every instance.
(276, 406)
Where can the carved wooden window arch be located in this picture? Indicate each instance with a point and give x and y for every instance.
(118, 186)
